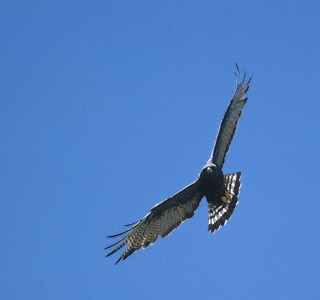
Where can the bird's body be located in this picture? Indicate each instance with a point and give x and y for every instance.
(221, 191)
(211, 178)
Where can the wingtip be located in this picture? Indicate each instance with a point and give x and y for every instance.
(118, 260)
(114, 235)
(112, 252)
(237, 67)
(130, 224)
(121, 233)
(239, 79)
(244, 77)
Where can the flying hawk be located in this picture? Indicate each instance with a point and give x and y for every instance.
(221, 191)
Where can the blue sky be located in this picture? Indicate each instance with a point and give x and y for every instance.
(109, 107)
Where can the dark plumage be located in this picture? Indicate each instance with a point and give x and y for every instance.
(221, 191)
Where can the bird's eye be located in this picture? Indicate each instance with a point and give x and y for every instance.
(209, 170)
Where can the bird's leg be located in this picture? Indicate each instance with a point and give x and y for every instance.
(227, 197)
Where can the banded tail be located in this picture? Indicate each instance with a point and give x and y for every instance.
(219, 214)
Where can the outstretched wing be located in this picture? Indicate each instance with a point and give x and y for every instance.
(162, 219)
(230, 120)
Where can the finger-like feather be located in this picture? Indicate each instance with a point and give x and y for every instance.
(230, 120)
(162, 220)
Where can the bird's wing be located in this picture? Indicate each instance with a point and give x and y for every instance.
(230, 120)
(162, 219)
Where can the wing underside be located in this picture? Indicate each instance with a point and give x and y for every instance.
(162, 220)
(230, 120)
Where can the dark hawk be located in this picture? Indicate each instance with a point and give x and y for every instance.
(221, 191)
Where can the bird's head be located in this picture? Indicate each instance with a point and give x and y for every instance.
(210, 173)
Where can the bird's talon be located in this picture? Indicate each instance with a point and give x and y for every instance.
(226, 198)
(228, 195)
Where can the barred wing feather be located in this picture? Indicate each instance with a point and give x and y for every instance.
(162, 220)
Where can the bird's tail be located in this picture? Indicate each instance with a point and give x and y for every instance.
(219, 214)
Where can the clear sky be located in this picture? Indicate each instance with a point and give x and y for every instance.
(109, 107)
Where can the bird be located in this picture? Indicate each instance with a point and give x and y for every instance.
(221, 191)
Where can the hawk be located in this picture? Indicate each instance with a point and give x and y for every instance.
(221, 191)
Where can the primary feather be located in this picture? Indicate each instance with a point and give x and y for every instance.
(162, 219)
(230, 120)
